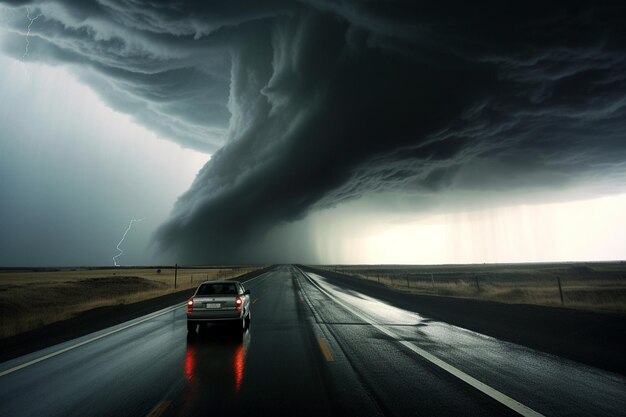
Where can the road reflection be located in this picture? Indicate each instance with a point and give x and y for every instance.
(239, 359)
(214, 368)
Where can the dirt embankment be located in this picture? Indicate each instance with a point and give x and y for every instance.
(28, 307)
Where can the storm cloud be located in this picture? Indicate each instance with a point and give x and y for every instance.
(308, 105)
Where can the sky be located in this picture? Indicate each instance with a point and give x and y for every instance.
(312, 131)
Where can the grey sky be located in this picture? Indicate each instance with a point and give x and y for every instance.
(73, 173)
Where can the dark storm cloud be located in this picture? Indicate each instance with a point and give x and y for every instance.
(166, 64)
(322, 102)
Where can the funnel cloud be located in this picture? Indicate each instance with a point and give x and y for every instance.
(308, 105)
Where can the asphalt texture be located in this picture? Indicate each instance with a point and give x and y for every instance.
(315, 347)
(593, 338)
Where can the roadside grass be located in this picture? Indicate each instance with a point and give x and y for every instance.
(584, 286)
(33, 298)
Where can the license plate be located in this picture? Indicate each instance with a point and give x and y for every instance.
(212, 305)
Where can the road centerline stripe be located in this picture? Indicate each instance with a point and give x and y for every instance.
(159, 409)
(325, 350)
(468, 379)
(252, 279)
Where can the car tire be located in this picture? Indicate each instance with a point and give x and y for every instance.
(248, 320)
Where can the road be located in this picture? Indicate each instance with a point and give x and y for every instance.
(314, 348)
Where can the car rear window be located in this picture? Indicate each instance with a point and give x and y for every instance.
(217, 289)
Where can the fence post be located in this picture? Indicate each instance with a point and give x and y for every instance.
(175, 275)
(408, 284)
(477, 285)
(558, 280)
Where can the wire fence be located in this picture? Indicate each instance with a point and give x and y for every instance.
(596, 287)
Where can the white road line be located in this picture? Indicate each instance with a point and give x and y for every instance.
(252, 279)
(84, 342)
(484, 388)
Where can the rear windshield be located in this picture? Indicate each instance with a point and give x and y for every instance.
(217, 289)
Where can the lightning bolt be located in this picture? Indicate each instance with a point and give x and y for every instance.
(31, 20)
(130, 225)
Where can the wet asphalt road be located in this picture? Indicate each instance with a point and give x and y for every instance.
(313, 349)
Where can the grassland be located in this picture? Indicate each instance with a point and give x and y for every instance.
(585, 286)
(33, 298)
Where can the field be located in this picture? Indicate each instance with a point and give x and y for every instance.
(586, 286)
(36, 297)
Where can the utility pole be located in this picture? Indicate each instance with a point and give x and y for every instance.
(175, 275)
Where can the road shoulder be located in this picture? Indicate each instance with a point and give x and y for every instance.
(596, 339)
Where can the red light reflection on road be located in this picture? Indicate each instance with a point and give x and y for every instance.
(239, 358)
(190, 363)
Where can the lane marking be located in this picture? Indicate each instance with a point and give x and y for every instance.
(468, 379)
(326, 350)
(60, 351)
(159, 409)
(84, 342)
(255, 300)
(252, 279)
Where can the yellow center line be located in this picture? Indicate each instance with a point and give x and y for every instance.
(326, 350)
(159, 409)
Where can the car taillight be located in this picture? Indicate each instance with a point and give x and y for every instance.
(238, 303)
(190, 306)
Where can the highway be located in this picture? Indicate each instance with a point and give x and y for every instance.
(314, 348)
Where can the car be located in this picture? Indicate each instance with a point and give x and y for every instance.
(219, 302)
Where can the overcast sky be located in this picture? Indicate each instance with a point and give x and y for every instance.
(313, 131)
(74, 172)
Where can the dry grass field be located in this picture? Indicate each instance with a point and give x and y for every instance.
(587, 286)
(33, 298)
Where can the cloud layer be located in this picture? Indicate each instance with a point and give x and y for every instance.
(307, 105)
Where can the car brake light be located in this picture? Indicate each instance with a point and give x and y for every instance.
(238, 302)
(190, 306)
